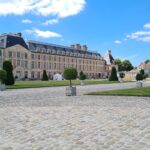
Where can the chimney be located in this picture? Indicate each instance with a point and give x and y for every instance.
(84, 48)
(72, 46)
(19, 34)
(78, 46)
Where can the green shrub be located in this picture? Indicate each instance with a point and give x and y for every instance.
(3, 76)
(139, 77)
(70, 74)
(142, 72)
(45, 77)
(7, 66)
(113, 76)
(122, 75)
(82, 76)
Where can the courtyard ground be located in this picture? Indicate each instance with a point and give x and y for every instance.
(45, 119)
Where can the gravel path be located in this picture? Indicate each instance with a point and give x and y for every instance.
(45, 119)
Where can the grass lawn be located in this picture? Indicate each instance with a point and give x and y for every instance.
(147, 79)
(145, 91)
(52, 83)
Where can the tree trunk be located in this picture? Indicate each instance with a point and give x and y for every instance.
(70, 84)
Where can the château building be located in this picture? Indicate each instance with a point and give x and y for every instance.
(110, 62)
(30, 58)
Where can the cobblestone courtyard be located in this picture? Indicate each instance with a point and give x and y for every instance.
(45, 119)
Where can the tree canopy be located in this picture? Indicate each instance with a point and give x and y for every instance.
(45, 77)
(70, 74)
(125, 65)
(3, 75)
(7, 66)
(82, 76)
(113, 76)
(148, 60)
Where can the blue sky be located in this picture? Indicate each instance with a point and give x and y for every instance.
(120, 25)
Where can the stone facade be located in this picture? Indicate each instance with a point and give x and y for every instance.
(30, 58)
(131, 75)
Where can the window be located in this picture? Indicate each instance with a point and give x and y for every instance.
(49, 58)
(10, 54)
(59, 59)
(49, 75)
(38, 57)
(45, 65)
(18, 54)
(26, 64)
(26, 56)
(49, 66)
(44, 57)
(26, 74)
(10, 60)
(0, 53)
(32, 64)
(54, 58)
(54, 65)
(32, 56)
(2, 41)
(38, 75)
(18, 62)
(32, 74)
(38, 65)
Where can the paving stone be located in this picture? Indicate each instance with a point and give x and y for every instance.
(45, 119)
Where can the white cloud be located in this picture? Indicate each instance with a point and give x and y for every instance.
(117, 42)
(59, 8)
(51, 21)
(26, 21)
(143, 36)
(145, 39)
(147, 26)
(44, 34)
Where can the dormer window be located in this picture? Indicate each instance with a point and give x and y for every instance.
(2, 40)
(10, 54)
(18, 54)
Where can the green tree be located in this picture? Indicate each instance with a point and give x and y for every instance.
(82, 76)
(127, 66)
(70, 74)
(3, 76)
(113, 76)
(119, 63)
(44, 77)
(142, 72)
(148, 60)
(122, 75)
(123, 65)
(7, 66)
(139, 77)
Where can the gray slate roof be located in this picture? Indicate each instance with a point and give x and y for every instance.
(109, 58)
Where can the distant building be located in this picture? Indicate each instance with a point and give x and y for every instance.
(146, 67)
(132, 74)
(110, 62)
(30, 58)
